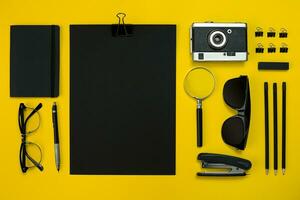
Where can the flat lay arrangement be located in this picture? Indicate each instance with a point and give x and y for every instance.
(148, 99)
(171, 107)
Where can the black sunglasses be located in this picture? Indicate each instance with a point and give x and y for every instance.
(24, 155)
(236, 94)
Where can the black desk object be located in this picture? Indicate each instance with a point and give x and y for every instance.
(283, 163)
(266, 100)
(122, 101)
(56, 136)
(275, 115)
(233, 166)
(273, 65)
(34, 61)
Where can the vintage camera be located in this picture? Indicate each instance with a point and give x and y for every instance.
(219, 41)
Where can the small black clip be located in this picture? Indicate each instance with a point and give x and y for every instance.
(259, 32)
(271, 48)
(121, 29)
(283, 33)
(259, 48)
(271, 32)
(284, 48)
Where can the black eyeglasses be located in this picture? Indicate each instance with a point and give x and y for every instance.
(29, 122)
(236, 94)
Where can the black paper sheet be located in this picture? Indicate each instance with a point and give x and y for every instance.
(122, 101)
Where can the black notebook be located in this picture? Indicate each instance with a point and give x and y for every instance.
(122, 101)
(34, 61)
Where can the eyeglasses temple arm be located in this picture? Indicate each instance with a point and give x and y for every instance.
(34, 111)
(38, 165)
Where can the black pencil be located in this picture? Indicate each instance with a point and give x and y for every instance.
(275, 128)
(266, 127)
(283, 127)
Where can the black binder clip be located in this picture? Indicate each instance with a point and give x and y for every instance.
(271, 48)
(121, 29)
(284, 48)
(259, 48)
(271, 32)
(259, 32)
(283, 33)
(234, 166)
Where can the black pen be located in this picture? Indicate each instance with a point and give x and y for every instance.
(275, 128)
(56, 139)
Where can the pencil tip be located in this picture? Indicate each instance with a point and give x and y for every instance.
(267, 171)
(275, 172)
(283, 171)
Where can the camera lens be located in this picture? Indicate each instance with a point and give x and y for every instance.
(217, 39)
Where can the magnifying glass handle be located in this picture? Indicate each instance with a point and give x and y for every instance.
(199, 127)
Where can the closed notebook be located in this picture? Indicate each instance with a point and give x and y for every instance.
(34, 61)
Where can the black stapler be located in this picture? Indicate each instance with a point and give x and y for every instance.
(235, 166)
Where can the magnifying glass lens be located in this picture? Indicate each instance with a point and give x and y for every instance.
(199, 83)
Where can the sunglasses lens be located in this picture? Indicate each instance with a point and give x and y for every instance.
(234, 92)
(233, 132)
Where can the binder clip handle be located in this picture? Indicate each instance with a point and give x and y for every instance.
(271, 32)
(271, 48)
(259, 32)
(283, 33)
(122, 29)
(284, 48)
(121, 17)
(259, 48)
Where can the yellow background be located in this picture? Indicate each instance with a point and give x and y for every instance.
(50, 184)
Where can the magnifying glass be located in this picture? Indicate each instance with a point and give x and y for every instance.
(199, 83)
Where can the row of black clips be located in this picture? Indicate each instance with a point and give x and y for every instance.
(272, 48)
(271, 32)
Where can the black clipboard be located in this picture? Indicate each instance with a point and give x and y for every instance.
(122, 101)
